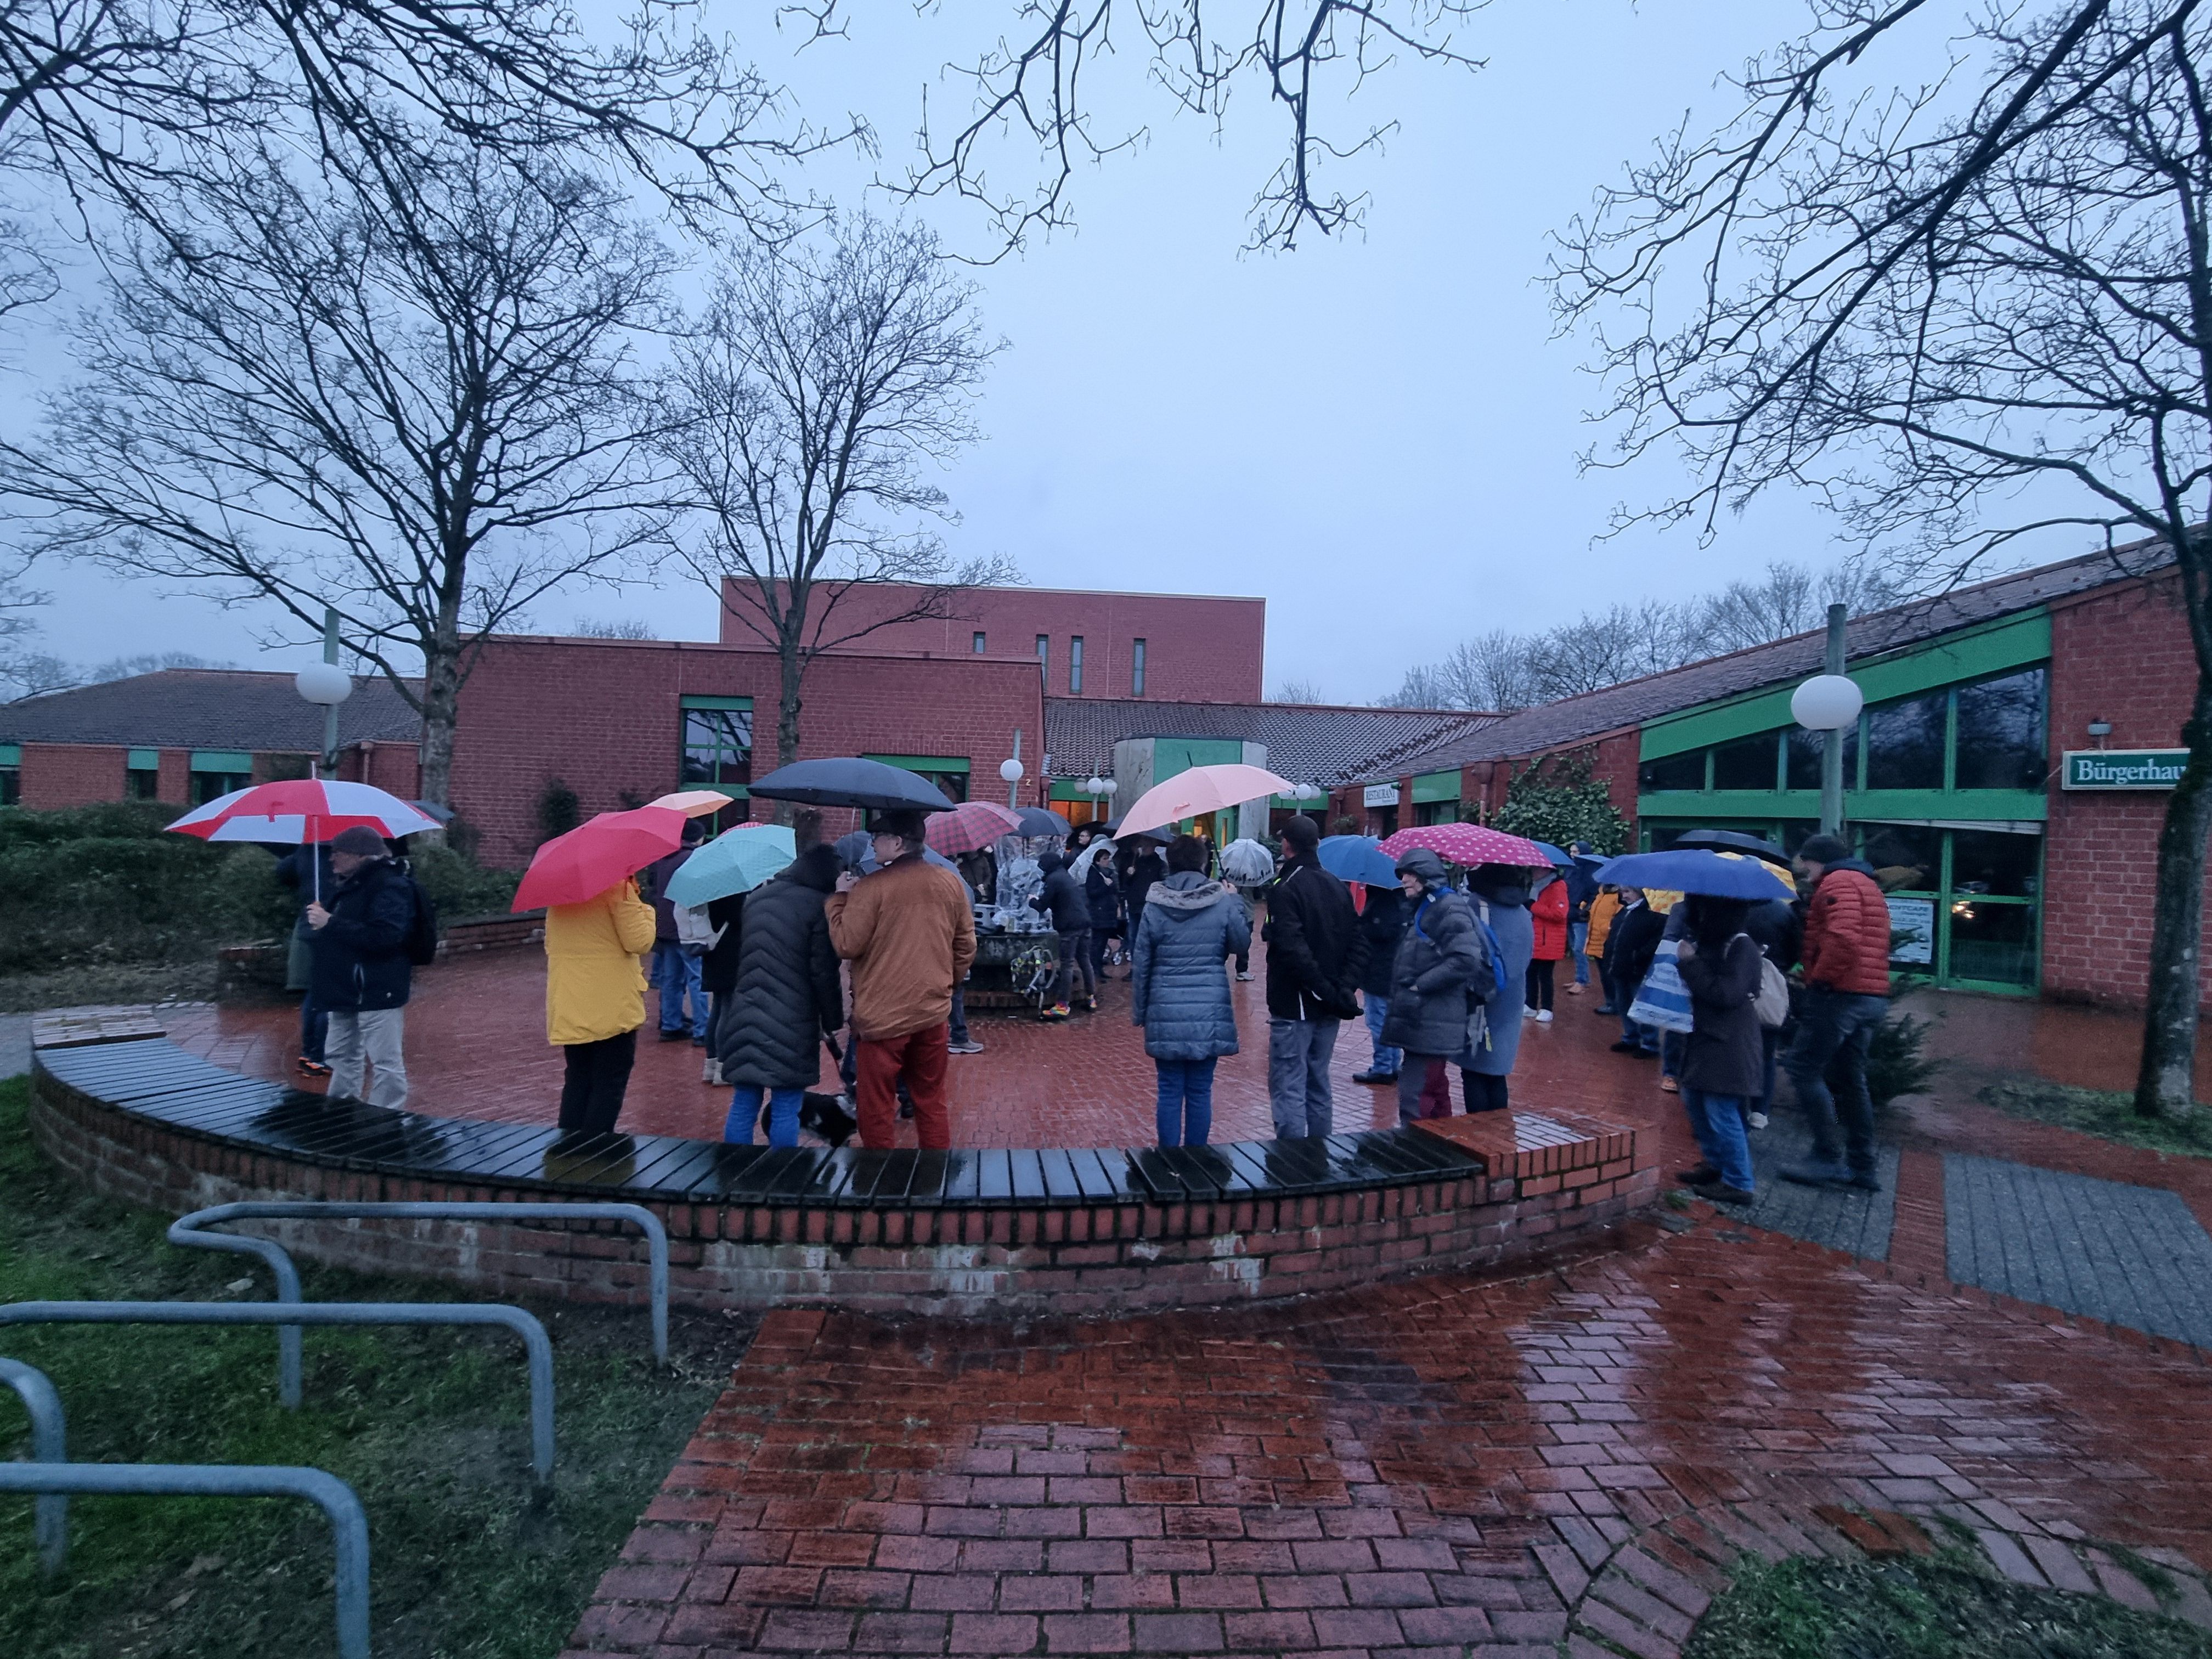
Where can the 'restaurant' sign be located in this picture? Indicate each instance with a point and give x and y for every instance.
(2120, 768)
(1380, 794)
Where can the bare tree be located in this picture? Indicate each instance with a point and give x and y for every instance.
(1303, 55)
(612, 627)
(399, 391)
(1296, 691)
(1924, 302)
(25, 671)
(824, 384)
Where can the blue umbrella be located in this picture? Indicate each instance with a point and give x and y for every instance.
(1358, 858)
(1688, 870)
(736, 862)
(1559, 855)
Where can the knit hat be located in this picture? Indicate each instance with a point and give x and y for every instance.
(1300, 833)
(1824, 849)
(360, 839)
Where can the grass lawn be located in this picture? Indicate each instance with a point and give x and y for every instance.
(429, 1427)
(1811, 1607)
(2093, 1111)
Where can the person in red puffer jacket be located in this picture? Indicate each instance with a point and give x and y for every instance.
(1547, 912)
(1846, 963)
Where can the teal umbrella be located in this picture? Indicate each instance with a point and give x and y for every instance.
(736, 862)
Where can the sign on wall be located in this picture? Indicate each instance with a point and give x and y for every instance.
(1912, 930)
(1380, 794)
(2120, 768)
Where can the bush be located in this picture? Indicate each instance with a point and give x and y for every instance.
(1556, 801)
(1896, 1063)
(459, 886)
(559, 810)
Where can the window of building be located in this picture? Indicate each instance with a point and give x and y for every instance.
(217, 772)
(717, 744)
(1075, 665)
(1686, 771)
(1137, 670)
(1802, 750)
(2001, 733)
(948, 772)
(1746, 763)
(11, 774)
(142, 775)
(1904, 743)
(979, 642)
(1044, 658)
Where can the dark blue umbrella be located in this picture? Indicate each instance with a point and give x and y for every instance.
(1733, 841)
(1559, 855)
(1691, 870)
(1038, 823)
(1358, 858)
(848, 781)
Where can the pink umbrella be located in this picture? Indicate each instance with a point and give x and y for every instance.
(595, 855)
(970, 825)
(1201, 789)
(1467, 844)
(301, 809)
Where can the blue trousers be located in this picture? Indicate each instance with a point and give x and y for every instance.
(1836, 1030)
(1717, 1122)
(1642, 1036)
(678, 977)
(783, 1106)
(1387, 1060)
(1578, 941)
(1186, 1101)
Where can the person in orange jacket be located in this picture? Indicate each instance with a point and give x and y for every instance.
(1548, 912)
(1846, 963)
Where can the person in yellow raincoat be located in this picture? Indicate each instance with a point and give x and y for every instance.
(595, 1001)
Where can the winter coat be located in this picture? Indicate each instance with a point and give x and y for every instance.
(360, 955)
(594, 980)
(1139, 872)
(1382, 923)
(1847, 932)
(788, 993)
(1508, 904)
(1548, 918)
(1776, 928)
(1063, 898)
(1582, 890)
(1439, 962)
(1602, 911)
(1636, 932)
(297, 868)
(1178, 986)
(718, 969)
(1725, 1054)
(1103, 896)
(1316, 956)
(911, 936)
(657, 874)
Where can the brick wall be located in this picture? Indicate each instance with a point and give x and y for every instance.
(1615, 761)
(1197, 649)
(2121, 654)
(1090, 1260)
(71, 775)
(394, 767)
(603, 715)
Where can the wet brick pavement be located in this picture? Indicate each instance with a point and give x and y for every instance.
(1450, 1465)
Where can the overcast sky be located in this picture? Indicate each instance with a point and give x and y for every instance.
(1377, 434)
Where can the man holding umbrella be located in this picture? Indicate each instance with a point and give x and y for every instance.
(911, 936)
(361, 972)
(1315, 957)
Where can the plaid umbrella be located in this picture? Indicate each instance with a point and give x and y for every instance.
(970, 825)
(1467, 844)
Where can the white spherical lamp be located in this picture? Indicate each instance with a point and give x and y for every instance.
(324, 682)
(1094, 785)
(1010, 771)
(1113, 788)
(1826, 702)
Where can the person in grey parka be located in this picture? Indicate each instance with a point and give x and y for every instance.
(1440, 972)
(1498, 894)
(1179, 986)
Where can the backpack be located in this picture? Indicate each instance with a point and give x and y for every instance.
(1493, 953)
(420, 947)
(1770, 1001)
(694, 931)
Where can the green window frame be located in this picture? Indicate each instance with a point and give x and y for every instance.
(714, 745)
(11, 774)
(950, 772)
(217, 772)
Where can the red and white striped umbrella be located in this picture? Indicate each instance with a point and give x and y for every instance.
(301, 809)
(1467, 844)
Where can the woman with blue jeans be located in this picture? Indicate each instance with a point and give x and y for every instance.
(1723, 1060)
(1179, 989)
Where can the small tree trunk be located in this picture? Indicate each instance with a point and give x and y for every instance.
(2166, 1081)
(441, 708)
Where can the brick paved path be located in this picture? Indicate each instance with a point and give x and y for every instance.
(1450, 1464)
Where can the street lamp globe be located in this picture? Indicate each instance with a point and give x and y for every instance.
(324, 682)
(1010, 771)
(1826, 702)
(1094, 785)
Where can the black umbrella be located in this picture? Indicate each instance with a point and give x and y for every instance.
(1114, 830)
(848, 781)
(1735, 840)
(1038, 822)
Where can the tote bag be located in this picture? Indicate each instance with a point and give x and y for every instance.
(1664, 1001)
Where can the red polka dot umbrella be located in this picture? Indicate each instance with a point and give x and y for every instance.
(1467, 844)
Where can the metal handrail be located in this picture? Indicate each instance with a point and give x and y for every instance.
(186, 1231)
(349, 1526)
(49, 1444)
(523, 1324)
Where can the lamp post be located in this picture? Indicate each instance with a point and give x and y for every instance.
(328, 684)
(1010, 773)
(1829, 702)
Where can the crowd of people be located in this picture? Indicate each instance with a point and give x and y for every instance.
(862, 949)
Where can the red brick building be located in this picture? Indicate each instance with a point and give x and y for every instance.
(1169, 647)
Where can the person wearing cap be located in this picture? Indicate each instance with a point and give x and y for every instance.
(361, 974)
(910, 935)
(1440, 975)
(1315, 956)
(1846, 960)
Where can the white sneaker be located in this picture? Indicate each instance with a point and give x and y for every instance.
(711, 1072)
(1544, 1017)
(1527, 1013)
(1758, 1120)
